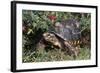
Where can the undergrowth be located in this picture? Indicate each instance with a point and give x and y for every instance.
(53, 55)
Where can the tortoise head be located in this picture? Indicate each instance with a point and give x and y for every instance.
(51, 38)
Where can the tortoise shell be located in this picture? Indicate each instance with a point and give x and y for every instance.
(68, 29)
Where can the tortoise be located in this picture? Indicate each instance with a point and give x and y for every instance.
(62, 34)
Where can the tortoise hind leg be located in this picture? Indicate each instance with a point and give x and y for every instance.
(72, 51)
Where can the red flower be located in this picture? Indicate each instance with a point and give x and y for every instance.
(52, 17)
